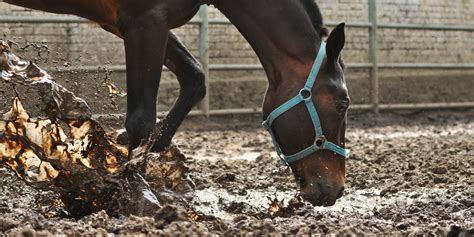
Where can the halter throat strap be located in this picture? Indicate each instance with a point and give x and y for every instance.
(305, 96)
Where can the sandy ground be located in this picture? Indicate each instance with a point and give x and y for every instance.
(407, 173)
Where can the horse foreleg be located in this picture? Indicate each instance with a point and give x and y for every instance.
(145, 38)
(191, 80)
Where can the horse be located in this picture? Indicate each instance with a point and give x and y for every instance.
(287, 36)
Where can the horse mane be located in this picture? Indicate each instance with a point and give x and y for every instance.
(316, 17)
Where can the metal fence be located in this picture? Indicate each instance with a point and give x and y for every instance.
(372, 25)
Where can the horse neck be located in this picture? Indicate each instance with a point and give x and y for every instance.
(281, 34)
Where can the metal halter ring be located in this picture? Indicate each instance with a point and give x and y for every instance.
(306, 94)
(320, 141)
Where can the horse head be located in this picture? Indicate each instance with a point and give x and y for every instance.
(307, 121)
(306, 102)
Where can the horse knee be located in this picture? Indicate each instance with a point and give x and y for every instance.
(196, 86)
(200, 87)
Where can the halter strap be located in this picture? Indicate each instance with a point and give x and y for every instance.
(305, 95)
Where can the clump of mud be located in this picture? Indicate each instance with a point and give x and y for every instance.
(61, 148)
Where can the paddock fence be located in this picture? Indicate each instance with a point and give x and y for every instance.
(374, 65)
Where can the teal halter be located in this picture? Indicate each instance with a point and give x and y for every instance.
(305, 94)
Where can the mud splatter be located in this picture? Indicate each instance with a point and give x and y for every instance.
(70, 153)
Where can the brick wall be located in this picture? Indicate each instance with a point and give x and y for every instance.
(87, 44)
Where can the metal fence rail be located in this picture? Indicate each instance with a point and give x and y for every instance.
(373, 65)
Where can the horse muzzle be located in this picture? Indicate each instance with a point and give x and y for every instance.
(320, 194)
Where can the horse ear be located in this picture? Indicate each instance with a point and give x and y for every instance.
(335, 42)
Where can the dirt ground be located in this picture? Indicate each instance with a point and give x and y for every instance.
(408, 173)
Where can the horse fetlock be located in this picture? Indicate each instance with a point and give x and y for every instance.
(139, 126)
(163, 136)
(161, 144)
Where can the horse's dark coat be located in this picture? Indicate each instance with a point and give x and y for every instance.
(285, 35)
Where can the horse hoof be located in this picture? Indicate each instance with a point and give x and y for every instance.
(122, 137)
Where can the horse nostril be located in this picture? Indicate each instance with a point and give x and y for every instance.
(341, 192)
(320, 187)
(320, 195)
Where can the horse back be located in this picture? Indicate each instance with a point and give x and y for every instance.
(103, 12)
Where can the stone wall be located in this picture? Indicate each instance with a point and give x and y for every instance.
(87, 44)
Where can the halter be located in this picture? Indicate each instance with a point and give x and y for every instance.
(305, 94)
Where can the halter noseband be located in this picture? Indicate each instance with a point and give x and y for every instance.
(305, 94)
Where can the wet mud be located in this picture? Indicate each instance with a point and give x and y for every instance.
(408, 173)
(64, 150)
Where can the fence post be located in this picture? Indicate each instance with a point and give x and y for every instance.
(204, 55)
(373, 47)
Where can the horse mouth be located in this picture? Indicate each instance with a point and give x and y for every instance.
(321, 202)
(317, 195)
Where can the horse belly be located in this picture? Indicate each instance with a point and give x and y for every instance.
(181, 11)
(105, 12)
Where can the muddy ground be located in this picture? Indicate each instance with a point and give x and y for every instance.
(408, 172)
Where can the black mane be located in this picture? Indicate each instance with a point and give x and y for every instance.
(315, 15)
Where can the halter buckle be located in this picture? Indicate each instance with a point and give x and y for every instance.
(320, 141)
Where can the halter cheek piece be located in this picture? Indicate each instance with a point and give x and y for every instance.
(305, 94)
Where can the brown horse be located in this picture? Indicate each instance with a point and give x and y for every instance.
(285, 34)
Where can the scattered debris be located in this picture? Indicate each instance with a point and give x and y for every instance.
(62, 149)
